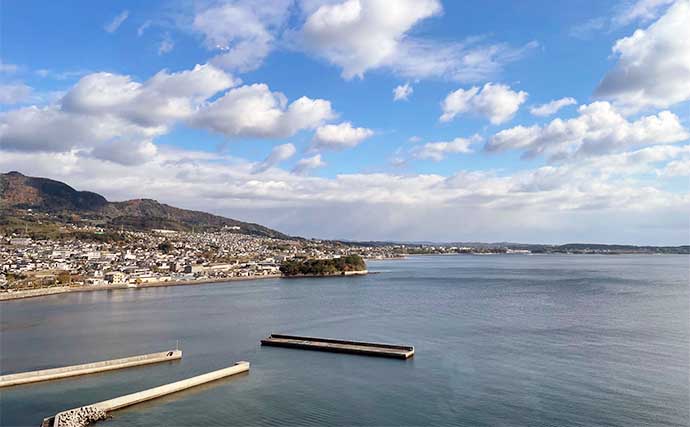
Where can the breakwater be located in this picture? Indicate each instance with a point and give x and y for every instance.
(85, 415)
(340, 346)
(88, 368)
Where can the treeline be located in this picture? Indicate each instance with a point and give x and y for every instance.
(323, 267)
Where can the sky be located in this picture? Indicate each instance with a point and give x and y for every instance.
(406, 120)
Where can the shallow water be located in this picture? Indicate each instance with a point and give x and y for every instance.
(539, 340)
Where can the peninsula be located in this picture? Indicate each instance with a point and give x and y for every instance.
(352, 264)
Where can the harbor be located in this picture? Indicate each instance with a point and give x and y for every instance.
(340, 346)
(85, 415)
(88, 368)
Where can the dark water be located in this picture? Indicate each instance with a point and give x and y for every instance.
(500, 340)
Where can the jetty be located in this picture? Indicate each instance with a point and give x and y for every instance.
(340, 346)
(88, 368)
(85, 415)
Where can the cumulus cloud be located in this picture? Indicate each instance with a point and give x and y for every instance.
(598, 129)
(496, 102)
(358, 35)
(402, 92)
(437, 151)
(361, 35)
(278, 154)
(308, 163)
(113, 25)
(255, 111)
(653, 68)
(552, 107)
(110, 116)
(241, 31)
(14, 93)
(125, 152)
(340, 136)
(163, 98)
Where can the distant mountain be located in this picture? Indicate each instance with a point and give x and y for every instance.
(20, 192)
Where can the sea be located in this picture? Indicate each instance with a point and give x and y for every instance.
(500, 340)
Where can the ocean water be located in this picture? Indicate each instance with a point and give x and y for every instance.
(517, 340)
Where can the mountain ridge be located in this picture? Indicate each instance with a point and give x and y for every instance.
(22, 192)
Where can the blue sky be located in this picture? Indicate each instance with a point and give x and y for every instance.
(283, 112)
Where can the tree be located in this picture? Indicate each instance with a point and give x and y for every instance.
(165, 247)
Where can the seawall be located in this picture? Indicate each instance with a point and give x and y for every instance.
(86, 414)
(9, 296)
(88, 368)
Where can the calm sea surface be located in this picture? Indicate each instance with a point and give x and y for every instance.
(500, 341)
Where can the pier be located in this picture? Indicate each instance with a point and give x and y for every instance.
(85, 415)
(340, 346)
(88, 368)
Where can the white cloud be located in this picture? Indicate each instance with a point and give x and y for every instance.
(241, 31)
(624, 13)
(255, 111)
(402, 92)
(641, 10)
(8, 68)
(113, 25)
(125, 152)
(496, 102)
(552, 107)
(14, 93)
(576, 200)
(278, 154)
(470, 61)
(587, 29)
(340, 136)
(362, 35)
(143, 27)
(163, 98)
(166, 45)
(111, 116)
(676, 168)
(308, 163)
(653, 68)
(358, 35)
(598, 129)
(437, 151)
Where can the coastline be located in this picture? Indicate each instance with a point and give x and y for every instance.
(341, 274)
(34, 293)
(42, 292)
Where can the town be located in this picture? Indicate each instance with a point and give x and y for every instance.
(86, 256)
(136, 258)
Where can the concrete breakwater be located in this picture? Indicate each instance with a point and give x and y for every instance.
(85, 415)
(88, 368)
(30, 293)
(340, 346)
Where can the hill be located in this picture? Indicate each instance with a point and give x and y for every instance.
(19, 193)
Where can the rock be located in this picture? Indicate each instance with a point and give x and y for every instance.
(80, 417)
